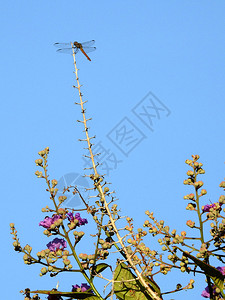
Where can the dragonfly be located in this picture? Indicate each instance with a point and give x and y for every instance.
(69, 47)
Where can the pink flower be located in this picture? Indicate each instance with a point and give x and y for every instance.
(47, 222)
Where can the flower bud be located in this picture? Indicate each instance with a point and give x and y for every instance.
(28, 248)
(15, 244)
(190, 196)
(44, 271)
(188, 162)
(59, 252)
(196, 164)
(61, 210)
(195, 157)
(199, 255)
(38, 174)
(52, 254)
(173, 232)
(190, 173)
(190, 223)
(83, 256)
(222, 199)
(66, 262)
(191, 206)
(71, 225)
(106, 245)
(41, 153)
(80, 234)
(62, 198)
(201, 171)
(25, 257)
(54, 182)
(222, 184)
(46, 232)
(58, 222)
(203, 192)
(39, 162)
(198, 184)
(91, 256)
(185, 182)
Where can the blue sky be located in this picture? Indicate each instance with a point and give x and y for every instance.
(170, 51)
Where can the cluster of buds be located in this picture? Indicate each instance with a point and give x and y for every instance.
(218, 233)
(169, 242)
(51, 257)
(16, 243)
(44, 153)
(192, 180)
(170, 238)
(89, 259)
(78, 236)
(41, 162)
(27, 258)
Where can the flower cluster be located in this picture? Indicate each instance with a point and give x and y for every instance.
(57, 244)
(83, 288)
(207, 207)
(77, 217)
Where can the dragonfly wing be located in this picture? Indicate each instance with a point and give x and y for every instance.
(62, 45)
(67, 50)
(88, 44)
(89, 49)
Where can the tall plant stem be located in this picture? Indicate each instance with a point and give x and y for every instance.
(153, 294)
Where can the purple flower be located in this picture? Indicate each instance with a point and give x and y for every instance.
(70, 216)
(84, 287)
(49, 221)
(46, 223)
(81, 221)
(56, 244)
(206, 293)
(222, 270)
(207, 207)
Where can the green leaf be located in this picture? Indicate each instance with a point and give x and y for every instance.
(153, 284)
(210, 271)
(100, 268)
(128, 290)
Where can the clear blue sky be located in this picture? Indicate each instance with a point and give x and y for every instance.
(173, 49)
